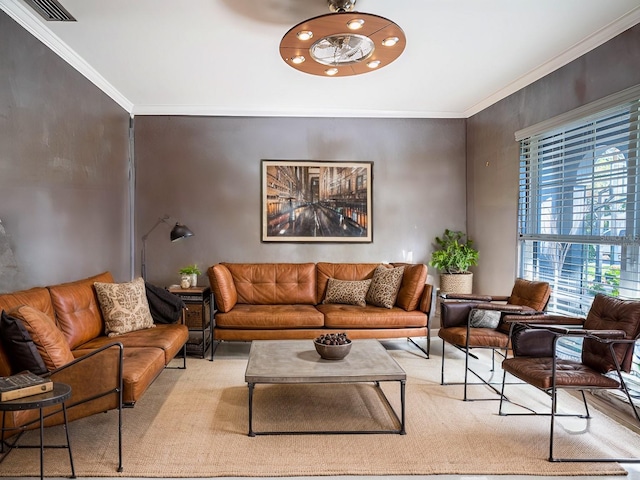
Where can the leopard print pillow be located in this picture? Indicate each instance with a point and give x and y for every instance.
(124, 307)
(348, 292)
(385, 285)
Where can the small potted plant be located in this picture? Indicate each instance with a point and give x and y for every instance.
(192, 271)
(453, 256)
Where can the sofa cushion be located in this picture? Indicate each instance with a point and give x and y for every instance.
(18, 344)
(413, 281)
(271, 317)
(349, 292)
(274, 283)
(48, 339)
(37, 298)
(351, 317)
(385, 285)
(124, 307)
(341, 271)
(77, 309)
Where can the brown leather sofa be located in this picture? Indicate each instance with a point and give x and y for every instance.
(263, 301)
(107, 372)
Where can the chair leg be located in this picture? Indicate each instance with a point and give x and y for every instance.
(466, 372)
(442, 365)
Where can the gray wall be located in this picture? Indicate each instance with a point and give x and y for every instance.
(493, 153)
(63, 169)
(205, 172)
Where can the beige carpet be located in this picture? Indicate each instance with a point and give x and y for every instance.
(193, 423)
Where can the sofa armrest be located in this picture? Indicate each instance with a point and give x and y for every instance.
(223, 287)
(95, 377)
(426, 299)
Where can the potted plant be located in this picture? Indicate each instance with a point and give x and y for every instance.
(453, 256)
(192, 271)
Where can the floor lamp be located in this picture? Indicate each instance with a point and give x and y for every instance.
(178, 232)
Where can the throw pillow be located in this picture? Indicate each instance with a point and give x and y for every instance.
(484, 318)
(124, 307)
(23, 353)
(384, 286)
(348, 292)
(49, 340)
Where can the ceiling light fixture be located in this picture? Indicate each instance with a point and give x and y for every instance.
(330, 41)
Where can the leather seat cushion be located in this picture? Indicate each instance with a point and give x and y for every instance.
(168, 337)
(270, 316)
(537, 371)
(352, 316)
(479, 337)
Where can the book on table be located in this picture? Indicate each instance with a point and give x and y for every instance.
(23, 385)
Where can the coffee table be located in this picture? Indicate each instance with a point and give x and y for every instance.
(297, 362)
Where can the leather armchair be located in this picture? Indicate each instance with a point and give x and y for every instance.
(608, 334)
(457, 329)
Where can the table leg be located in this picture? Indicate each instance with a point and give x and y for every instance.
(66, 429)
(41, 445)
(402, 406)
(251, 432)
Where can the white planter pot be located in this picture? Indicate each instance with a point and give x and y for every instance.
(194, 280)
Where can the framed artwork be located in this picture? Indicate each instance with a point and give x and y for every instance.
(316, 201)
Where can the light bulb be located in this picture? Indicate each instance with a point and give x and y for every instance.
(355, 24)
(305, 35)
(331, 71)
(390, 41)
(298, 59)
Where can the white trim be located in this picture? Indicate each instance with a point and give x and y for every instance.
(580, 113)
(28, 20)
(591, 42)
(212, 110)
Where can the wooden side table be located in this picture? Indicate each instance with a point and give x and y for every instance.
(198, 318)
(60, 394)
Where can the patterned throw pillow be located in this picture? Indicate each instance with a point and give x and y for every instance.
(347, 292)
(384, 286)
(484, 318)
(124, 307)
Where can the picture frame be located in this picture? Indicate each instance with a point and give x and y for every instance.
(317, 201)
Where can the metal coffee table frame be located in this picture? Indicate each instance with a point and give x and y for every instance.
(297, 362)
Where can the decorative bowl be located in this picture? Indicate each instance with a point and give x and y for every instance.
(332, 352)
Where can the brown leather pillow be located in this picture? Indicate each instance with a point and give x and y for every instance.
(49, 340)
(413, 280)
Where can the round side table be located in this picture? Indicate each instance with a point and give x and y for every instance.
(60, 394)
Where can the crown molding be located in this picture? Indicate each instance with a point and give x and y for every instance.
(211, 110)
(28, 20)
(589, 43)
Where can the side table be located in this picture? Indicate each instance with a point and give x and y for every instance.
(199, 319)
(60, 394)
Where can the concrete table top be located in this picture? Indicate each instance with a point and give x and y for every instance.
(296, 361)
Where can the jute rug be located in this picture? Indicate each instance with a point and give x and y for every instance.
(194, 423)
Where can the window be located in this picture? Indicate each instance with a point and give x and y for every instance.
(579, 208)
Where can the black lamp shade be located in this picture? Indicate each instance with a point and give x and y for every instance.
(179, 232)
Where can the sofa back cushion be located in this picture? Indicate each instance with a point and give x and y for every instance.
(37, 298)
(77, 309)
(412, 287)
(274, 283)
(341, 271)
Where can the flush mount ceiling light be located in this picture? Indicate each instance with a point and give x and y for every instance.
(342, 43)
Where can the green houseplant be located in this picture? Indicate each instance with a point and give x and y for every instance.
(453, 256)
(192, 271)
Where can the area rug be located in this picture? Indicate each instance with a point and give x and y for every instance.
(194, 423)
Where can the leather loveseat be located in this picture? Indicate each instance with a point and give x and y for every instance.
(104, 372)
(263, 301)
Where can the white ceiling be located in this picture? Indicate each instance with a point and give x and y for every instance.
(220, 57)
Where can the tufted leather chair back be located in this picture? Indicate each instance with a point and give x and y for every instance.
(530, 294)
(609, 313)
